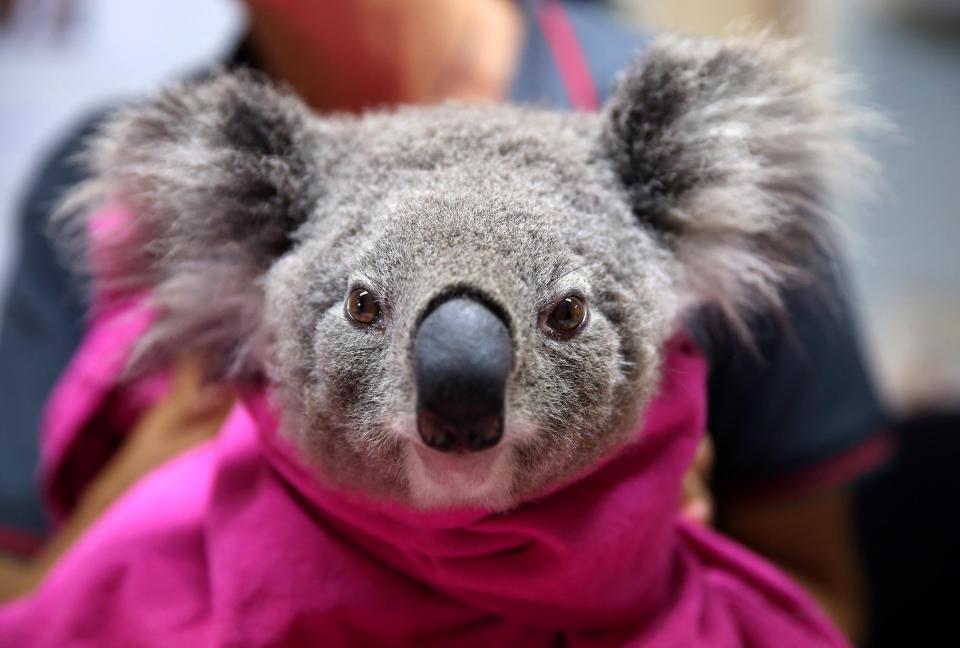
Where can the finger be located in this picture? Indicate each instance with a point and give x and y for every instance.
(697, 502)
(703, 459)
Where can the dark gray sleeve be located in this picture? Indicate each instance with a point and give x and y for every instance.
(42, 324)
(801, 400)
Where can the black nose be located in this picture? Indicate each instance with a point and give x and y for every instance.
(463, 357)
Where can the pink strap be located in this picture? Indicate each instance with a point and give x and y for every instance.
(568, 55)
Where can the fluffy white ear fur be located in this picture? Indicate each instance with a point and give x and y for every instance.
(217, 176)
(731, 150)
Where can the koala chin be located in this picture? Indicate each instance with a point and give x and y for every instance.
(462, 306)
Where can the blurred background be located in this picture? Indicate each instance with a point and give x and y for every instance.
(62, 59)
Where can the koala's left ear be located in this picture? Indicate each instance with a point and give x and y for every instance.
(727, 149)
(215, 178)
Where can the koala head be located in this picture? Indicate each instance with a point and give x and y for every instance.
(462, 305)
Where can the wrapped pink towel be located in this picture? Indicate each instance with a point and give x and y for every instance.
(234, 543)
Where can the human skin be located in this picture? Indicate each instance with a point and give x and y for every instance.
(367, 53)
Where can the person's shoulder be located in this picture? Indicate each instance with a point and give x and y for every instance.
(60, 167)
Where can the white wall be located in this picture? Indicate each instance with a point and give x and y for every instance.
(113, 49)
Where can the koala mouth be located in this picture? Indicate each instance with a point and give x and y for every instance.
(444, 479)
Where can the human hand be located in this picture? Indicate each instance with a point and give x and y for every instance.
(697, 500)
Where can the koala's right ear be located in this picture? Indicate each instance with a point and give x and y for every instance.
(215, 178)
(729, 150)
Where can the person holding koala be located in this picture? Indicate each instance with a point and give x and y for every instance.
(596, 248)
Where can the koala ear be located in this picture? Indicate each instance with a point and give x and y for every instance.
(728, 149)
(215, 177)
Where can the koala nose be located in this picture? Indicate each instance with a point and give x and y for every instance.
(462, 356)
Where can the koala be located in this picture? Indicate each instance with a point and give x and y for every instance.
(463, 305)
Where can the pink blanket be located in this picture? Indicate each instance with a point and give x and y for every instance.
(234, 543)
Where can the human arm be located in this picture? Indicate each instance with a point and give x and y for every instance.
(795, 422)
(188, 415)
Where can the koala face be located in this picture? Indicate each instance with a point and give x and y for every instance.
(463, 306)
(472, 313)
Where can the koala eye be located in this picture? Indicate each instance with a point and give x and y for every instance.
(362, 306)
(567, 316)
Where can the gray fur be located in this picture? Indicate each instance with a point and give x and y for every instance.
(700, 182)
(731, 148)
